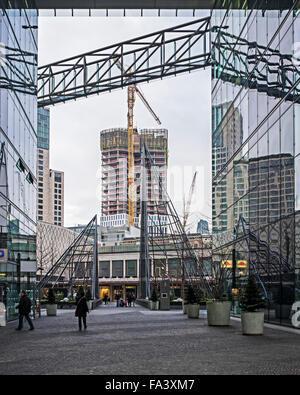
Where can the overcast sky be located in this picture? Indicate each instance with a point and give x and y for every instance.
(182, 103)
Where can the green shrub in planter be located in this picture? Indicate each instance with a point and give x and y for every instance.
(191, 296)
(250, 298)
(51, 297)
(219, 307)
(59, 296)
(250, 301)
(154, 302)
(51, 303)
(154, 296)
(193, 303)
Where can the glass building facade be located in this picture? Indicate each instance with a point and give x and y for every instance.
(43, 129)
(256, 150)
(18, 139)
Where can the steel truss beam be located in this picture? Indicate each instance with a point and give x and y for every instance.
(249, 64)
(18, 70)
(168, 52)
(145, 4)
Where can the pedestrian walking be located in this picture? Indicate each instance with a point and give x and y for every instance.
(81, 312)
(133, 300)
(118, 297)
(24, 307)
(129, 298)
(105, 299)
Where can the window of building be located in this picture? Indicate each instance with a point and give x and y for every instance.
(117, 268)
(173, 266)
(131, 268)
(20, 165)
(57, 177)
(104, 269)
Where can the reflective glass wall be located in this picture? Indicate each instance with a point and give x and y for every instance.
(18, 139)
(256, 150)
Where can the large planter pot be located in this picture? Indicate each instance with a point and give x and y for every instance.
(51, 309)
(193, 311)
(218, 313)
(153, 305)
(252, 323)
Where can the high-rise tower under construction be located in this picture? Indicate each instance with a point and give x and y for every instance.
(114, 155)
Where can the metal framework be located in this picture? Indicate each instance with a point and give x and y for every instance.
(267, 266)
(236, 60)
(17, 70)
(143, 5)
(168, 52)
(166, 239)
(79, 263)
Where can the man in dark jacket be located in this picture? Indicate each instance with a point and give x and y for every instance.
(24, 307)
(81, 310)
(118, 297)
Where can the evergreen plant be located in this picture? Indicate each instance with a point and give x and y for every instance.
(154, 297)
(191, 295)
(251, 298)
(51, 296)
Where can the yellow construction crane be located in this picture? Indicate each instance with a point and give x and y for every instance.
(188, 204)
(132, 90)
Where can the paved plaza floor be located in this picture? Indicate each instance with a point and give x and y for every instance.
(137, 341)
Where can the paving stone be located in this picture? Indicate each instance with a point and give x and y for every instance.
(138, 341)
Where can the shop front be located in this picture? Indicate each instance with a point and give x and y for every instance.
(105, 290)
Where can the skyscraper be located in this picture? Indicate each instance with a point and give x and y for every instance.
(202, 227)
(256, 175)
(50, 191)
(18, 141)
(114, 154)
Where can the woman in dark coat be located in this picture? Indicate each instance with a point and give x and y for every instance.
(81, 310)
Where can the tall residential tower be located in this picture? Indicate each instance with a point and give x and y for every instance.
(50, 183)
(114, 154)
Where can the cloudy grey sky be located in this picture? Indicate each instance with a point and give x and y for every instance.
(182, 104)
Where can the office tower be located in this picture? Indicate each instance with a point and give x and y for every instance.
(114, 155)
(50, 183)
(202, 227)
(18, 144)
(227, 135)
